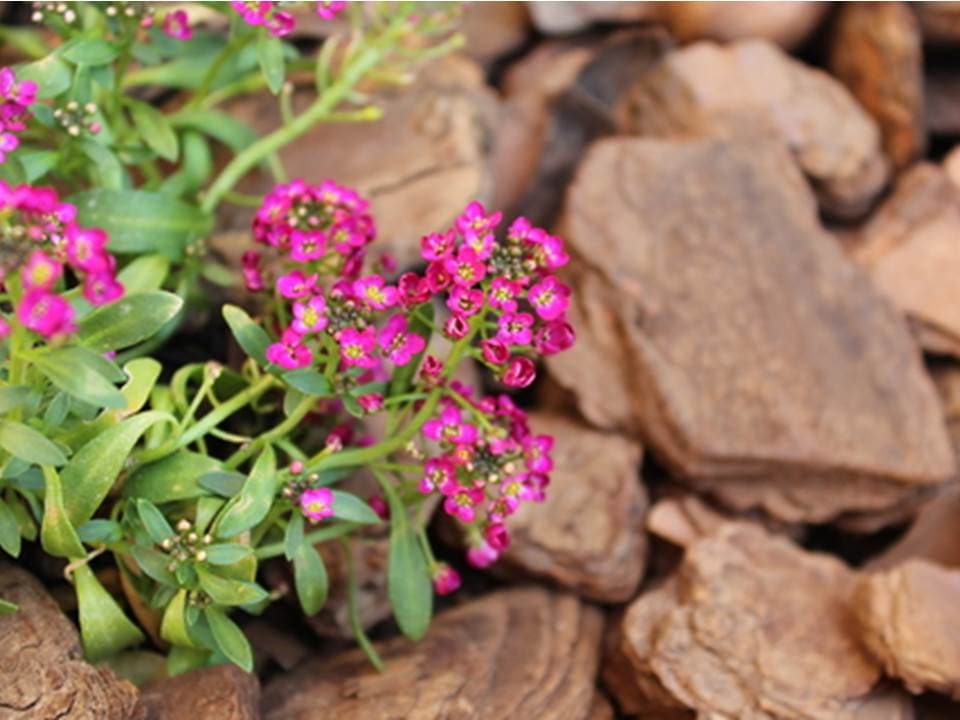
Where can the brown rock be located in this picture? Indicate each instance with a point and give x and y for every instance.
(877, 53)
(932, 536)
(42, 672)
(521, 653)
(683, 520)
(910, 249)
(942, 101)
(221, 692)
(752, 628)
(785, 23)
(940, 21)
(561, 18)
(708, 89)
(600, 708)
(420, 185)
(729, 332)
(494, 29)
(909, 620)
(588, 535)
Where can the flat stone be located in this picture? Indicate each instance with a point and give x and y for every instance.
(785, 23)
(562, 18)
(220, 692)
(709, 89)
(932, 535)
(721, 324)
(521, 653)
(908, 616)
(587, 536)
(726, 638)
(940, 21)
(43, 675)
(494, 29)
(942, 100)
(877, 52)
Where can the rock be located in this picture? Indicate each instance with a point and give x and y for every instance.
(494, 29)
(909, 247)
(785, 23)
(727, 639)
(909, 620)
(521, 653)
(600, 708)
(708, 89)
(561, 18)
(588, 535)
(942, 101)
(932, 536)
(721, 324)
(940, 21)
(220, 692)
(683, 520)
(417, 186)
(877, 53)
(42, 672)
(935, 707)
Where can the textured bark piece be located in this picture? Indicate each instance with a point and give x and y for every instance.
(708, 89)
(909, 620)
(420, 185)
(785, 23)
(588, 535)
(910, 248)
(932, 536)
(42, 672)
(733, 336)
(877, 52)
(940, 21)
(561, 18)
(522, 653)
(753, 628)
(221, 692)
(494, 29)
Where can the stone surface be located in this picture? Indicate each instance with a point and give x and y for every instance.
(417, 186)
(750, 628)
(877, 53)
(494, 29)
(42, 672)
(521, 653)
(708, 89)
(560, 18)
(221, 692)
(909, 620)
(942, 101)
(784, 23)
(932, 536)
(940, 21)
(910, 249)
(720, 323)
(587, 536)
(683, 520)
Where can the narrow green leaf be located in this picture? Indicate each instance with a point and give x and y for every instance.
(310, 578)
(153, 520)
(142, 375)
(227, 553)
(155, 564)
(100, 530)
(129, 320)
(12, 396)
(51, 74)
(144, 273)
(175, 477)
(57, 534)
(223, 483)
(253, 502)
(9, 531)
(270, 57)
(293, 535)
(73, 370)
(105, 167)
(155, 129)
(57, 410)
(91, 52)
(104, 628)
(6, 608)
(347, 506)
(250, 336)
(222, 127)
(308, 381)
(227, 591)
(408, 582)
(230, 638)
(36, 163)
(24, 442)
(173, 627)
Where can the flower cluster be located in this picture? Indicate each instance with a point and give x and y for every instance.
(41, 237)
(279, 22)
(15, 100)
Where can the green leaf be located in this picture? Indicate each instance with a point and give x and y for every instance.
(9, 531)
(227, 591)
(173, 627)
(36, 163)
(24, 442)
(223, 482)
(104, 628)
(403, 376)
(155, 564)
(254, 500)
(57, 410)
(91, 52)
(270, 57)
(227, 553)
(408, 582)
(175, 477)
(153, 520)
(293, 535)
(92, 471)
(308, 381)
(349, 507)
(143, 374)
(353, 407)
(73, 370)
(230, 638)
(100, 530)
(51, 74)
(250, 336)
(129, 320)
(57, 534)
(144, 273)
(155, 129)
(142, 222)
(12, 396)
(105, 168)
(310, 578)
(6, 608)
(222, 127)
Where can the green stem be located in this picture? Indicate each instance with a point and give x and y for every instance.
(353, 611)
(229, 50)
(299, 412)
(330, 532)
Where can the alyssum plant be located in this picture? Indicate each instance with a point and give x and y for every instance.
(186, 478)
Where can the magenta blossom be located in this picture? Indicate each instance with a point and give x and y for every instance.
(548, 251)
(371, 402)
(317, 503)
(357, 346)
(465, 301)
(399, 345)
(549, 298)
(374, 291)
(176, 24)
(554, 337)
(482, 555)
(431, 369)
(45, 313)
(438, 279)
(446, 580)
(329, 9)
(462, 502)
(437, 246)
(515, 328)
(495, 351)
(290, 352)
(101, 288)
(456, 327)
(40, 271)
(310, 316)
(295, 285)
(536, 452)
(413, 289)
(467, 268)
(474, 224)
(307, 246)
(497, 536)
(87, 250)
(450, 427)
(503, 294)
(437, 472)
(520, 372)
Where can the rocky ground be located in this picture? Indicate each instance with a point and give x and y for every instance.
(755, 513)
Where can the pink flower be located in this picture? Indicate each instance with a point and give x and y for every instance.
(467, 268)
(329, 9)
(482, 555)
(177, 25)
(296, 467)
(8, 143)
(548, 250)
(374, 291)
(21, 93)
(310, 316)
(413, 289)
(475, 225)
(252, 276)
(549, 298)
(494, 351)
(520, 373)
(356, 347)
(462, 503)
(450, 427)
(295, 284)
(289, 353)
(4, 328)
(86, 250)
(437, 472)
(45, 313)
(438, 279)
(503, 294)
(515, 328)
(101, 288)
(371, 402)
(379, 506)
(437, 246)
(307, 246)
(431, 369)
(554, 337)
(317, 503)
(497, 536)
(399, 345)
(456, 327)
(40, 271)
(465, 301)
(281, 23)
(446, 580)
(536, 452)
